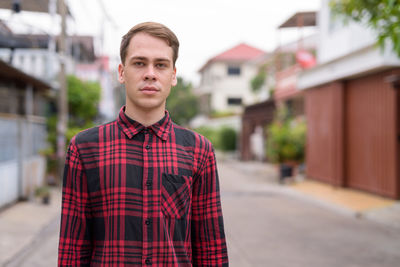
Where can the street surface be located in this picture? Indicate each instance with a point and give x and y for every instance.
(267, 226)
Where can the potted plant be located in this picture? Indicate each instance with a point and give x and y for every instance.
(286, 142)
(43, 192)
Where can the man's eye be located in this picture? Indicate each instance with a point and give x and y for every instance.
(138, 63)
(161, 65)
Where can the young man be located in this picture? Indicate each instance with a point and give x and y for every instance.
(141, 190)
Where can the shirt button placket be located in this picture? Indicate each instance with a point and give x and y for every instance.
(147, 199)
(148, 261)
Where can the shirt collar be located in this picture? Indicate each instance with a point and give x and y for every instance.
(131, 127)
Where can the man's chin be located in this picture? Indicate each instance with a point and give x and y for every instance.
(150, 105)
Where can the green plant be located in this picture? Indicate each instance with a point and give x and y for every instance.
(258, 81)
(83, 101)
(221, 114)
(182, 104)
(227, 137)
(42, 191)
(210, 133)
(286, 139)
(223, 138)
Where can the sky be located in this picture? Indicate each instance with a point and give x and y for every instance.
(204, 28)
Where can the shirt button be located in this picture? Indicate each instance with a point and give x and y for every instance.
(147, 147)
(147, 222)
(147, 261)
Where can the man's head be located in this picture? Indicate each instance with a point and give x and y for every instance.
(148, 54)
(153, 29)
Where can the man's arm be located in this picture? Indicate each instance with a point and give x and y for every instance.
(208, 236)
(74, 245)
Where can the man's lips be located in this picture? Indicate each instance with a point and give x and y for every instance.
(149, 90)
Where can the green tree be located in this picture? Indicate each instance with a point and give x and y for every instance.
(381, 15)
(83, 101)
(182, 104)
(259, 79)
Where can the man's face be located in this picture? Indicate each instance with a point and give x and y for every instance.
(148, 73)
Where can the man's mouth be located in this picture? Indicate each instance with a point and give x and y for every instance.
(149, 90)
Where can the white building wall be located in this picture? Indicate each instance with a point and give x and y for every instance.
(221, 86)
(338, 39)
(345, 51)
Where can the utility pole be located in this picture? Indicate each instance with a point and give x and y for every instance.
(62, 94)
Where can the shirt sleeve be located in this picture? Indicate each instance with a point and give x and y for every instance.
(74, 247)
(208, 236)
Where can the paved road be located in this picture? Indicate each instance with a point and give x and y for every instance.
(267, 226)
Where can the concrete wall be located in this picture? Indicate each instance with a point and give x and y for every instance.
(22, 168)
(8, 182)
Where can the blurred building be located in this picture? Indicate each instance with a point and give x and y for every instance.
(225, 80)
(291, 59)
(282, 69)
(23, 133)
(352, 105)
(30, 66)
(253, 135)
(33, 53)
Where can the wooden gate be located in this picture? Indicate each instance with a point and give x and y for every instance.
(370, 144)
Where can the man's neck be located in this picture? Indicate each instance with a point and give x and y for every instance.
(144, 117)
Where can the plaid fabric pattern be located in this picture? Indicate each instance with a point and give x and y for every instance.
(141, 196)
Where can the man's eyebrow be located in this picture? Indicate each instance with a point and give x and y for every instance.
(138, 58)
(161, 59)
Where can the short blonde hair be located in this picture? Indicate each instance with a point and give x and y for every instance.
(154, 29)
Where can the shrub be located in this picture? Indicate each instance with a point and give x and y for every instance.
(286, 140)
(223, 138)
(209, 133)
(227, 139)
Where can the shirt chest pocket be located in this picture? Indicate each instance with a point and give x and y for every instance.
(175, 195)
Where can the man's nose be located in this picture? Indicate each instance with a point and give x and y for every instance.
(150, 73)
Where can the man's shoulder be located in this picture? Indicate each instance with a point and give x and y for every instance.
(91, 135)
(192, 138)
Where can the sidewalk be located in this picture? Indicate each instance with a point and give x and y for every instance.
(360, 204)
(22, 224)
(344, 200)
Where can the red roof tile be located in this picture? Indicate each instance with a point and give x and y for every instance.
(241, 52)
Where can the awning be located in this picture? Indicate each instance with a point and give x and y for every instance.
(301, 19)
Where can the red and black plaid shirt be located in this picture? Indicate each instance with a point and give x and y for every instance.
(140, 196)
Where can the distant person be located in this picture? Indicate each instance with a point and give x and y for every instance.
(141, 190)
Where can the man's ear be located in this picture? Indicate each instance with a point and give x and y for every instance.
(174, 79)
(121, 73)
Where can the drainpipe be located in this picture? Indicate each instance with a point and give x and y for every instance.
(28, 137)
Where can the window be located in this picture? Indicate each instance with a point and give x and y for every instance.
(233, 70)
(237, 101)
